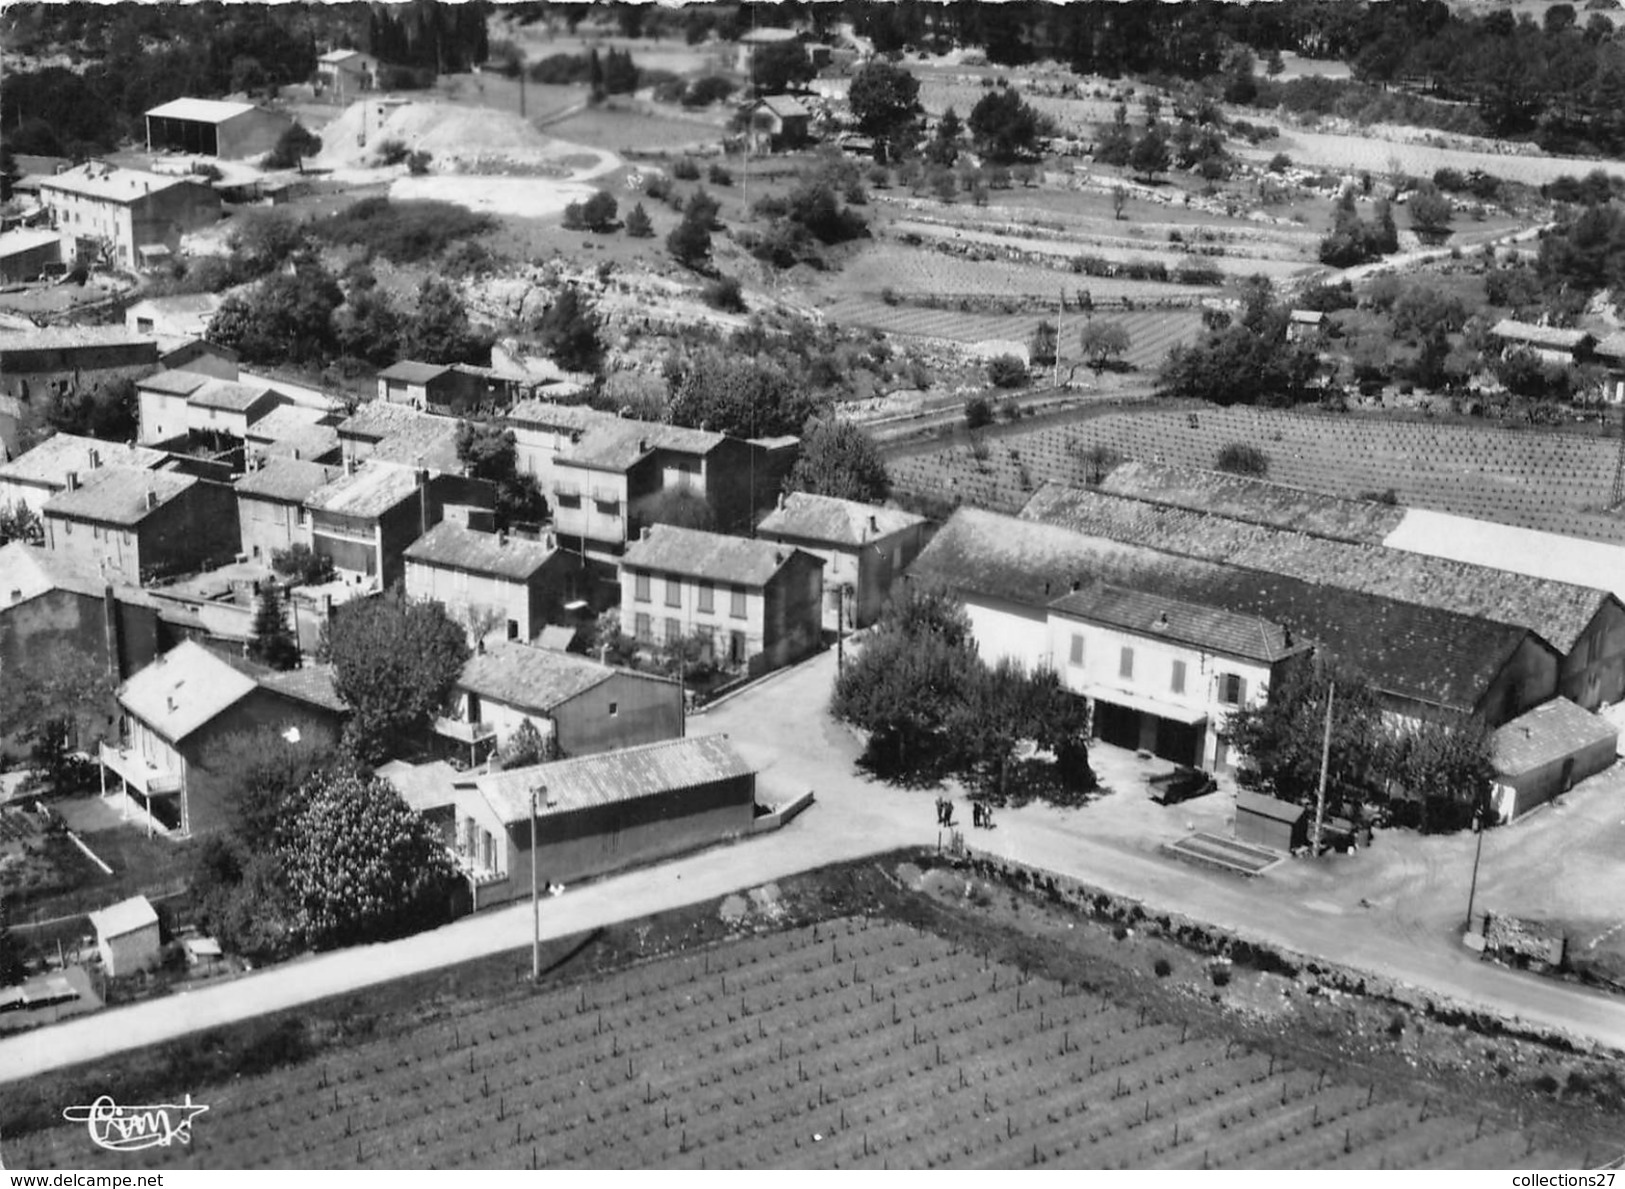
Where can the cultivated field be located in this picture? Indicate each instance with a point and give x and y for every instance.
(852, 1043)
(1545, 480)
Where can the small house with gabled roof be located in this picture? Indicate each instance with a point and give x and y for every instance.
(271, 504)
(865, 547)
(493, 580)
(140, 524)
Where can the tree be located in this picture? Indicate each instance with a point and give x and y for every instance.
(394, 663)
(739, 394)
(259, 775)
(287, 319)
(44, 702)
(490, 452)
(368, 327)
(1119, 201)
(1006, 128)
(1007, 371)
(272, 642)
(598, 212)
(1430, 216)
(439, 330)
(838, 458)
(1150, 156)
(1447, 766)
(568, 330)
(13, 969)
(1042, 348)
(300, 562)
(527, 746)
(885, 98)
(1102, 342)
(292, 147)
(780, 66)
(638, 225)
(690, 241)
(19, 522)
(944, 146)
(362, 866)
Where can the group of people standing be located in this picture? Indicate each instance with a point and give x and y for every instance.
(981, 815)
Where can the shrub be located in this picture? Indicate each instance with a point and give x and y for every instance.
(1163, 968)
(638, 225)
(1239, 458)
(417, 163)
(1280, 163)
(404, 232)
(718, 174)
(1007, 371)
(1120, 932)
(724, 294)
(702, 92)
(392, 152)
(1220, 976)
(297, 143)
(978, 412)
(686, 169)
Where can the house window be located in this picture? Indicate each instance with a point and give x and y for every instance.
(674, 592)
(674, 632)
(707, 597)
(1232, 689)
(641, 628)
(1125, 663)
(614, 709)
(1077, 649)
(1178, 683)
(736, 599)
(640, 587)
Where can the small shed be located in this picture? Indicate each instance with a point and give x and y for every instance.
(1266, 821)
(1545, 752)
(127, 936)
(1304, 325)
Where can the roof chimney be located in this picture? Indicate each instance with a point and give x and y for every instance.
(1162, 621)
(643, 445)
(1076, 586)
(169, 701)
(152, 499)
(296, 453)
(644, 535)
(95, 459)
(783, 499)
(349, 464)
(72, 478)
(502, 537)
(874, 524)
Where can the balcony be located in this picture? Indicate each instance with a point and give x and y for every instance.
(138, 772)
(464, 732)
(326, 528)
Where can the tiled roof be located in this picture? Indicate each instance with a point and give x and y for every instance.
(377, 419)
(285, 480)
(1529, 551)
(14, 243)
(1557, 611)
(312, 684)
(314, 443)
(1255, 500)
(617, 445)
(824, 518)
(1307, 317)
(181, 303)
(532, 679)
(1188, 623)
(552, 415)
(370, 490)
(422, 786)
(227, 395)
(119, 495)
(335, 56)
(124, 917)
(454, 547)
(1612, 346)
(737, 560)
(1547, 734)
(612, 777)
(783, 106)
(48, 463)
(111, 184)
(286, 419)
(32, 570)
(404, 435)
(208, 111)
(56, 338)
(410, 371)
(175, 382)
(1407, 650)
(1550, 337)
(183, 690)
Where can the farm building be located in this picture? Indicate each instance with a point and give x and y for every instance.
(175, 711)
(752, 605)
(1422, 660)
(343, 74)
(25, 254)
(214, 128)
(1161, 675)
(1585, 624)
(1304, 326)
(865, 549)
(493, 580)
(127, 936)
(1549, 344)
(776, 122)
(599, 814)
(141, 523)
(58, 360)
(1265, 821)
(581, 706)
(1545, 753)
(113, 213)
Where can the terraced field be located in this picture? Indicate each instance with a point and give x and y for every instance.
(1553, 481)
(856, 1043)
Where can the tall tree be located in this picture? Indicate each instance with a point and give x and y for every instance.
(394, 663)
(885, 99)
(838, 458)
(568, 330)
(272, 642)
(439, 330)
(46, 702)
(1102, 341)
(259, 774)
(490, 451)
(1006, 128)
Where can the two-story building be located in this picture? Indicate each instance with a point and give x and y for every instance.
(493, 580)
(864, 547)
(114, 213)
(294, 431)
(62, 360)
(398, 433)
(139, 524)
(271, 505)
(364, 518)
(173, 405)
(342, 75)
(579, 705)
(1162, 675)
(176, 712)
(33, 478)
(751, 604)
(546, 430)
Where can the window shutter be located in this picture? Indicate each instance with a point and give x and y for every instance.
(1241, 690)
(1077, 649)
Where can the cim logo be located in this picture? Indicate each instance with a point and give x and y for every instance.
(132, 1128)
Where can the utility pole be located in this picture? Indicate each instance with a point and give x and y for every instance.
(1325, 760)
(536, 794)
(1478, 853)
(840, 623)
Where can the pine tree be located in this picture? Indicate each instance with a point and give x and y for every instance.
(272, 642)
(12, 968)
(638, 225)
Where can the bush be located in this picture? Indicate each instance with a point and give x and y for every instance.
(297, 143)
(392, 152)
(638, 224)
(703, 92)
(686, 169)
(724, 294)
(1163, 968)
(1280, 163)
(1007, 371)
(1220, 976)
(403, 232)
(1238, 458)
(978, 412)
(718, 175)
(417, 163)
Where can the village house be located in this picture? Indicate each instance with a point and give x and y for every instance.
(114, 213)
(865, 549)
(493, 580)
(33, 478)
(173, 405)
(419, 385)
(294, 431)
(1545, 753)
(1162, 675)
(579, 706)
(751, 604)
(341, 75)
(546, 430)
(214, 128)
(59, 360)
(271, 505)
(1549, 344)
(27, 253)
(403, 435)
(141, 524)
(1305, 326)
(598, 814)
(366, 516)
(776, 123)
(182, 318)
(175, 712)
(199, 355)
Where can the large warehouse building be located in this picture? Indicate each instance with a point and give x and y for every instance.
(214, 128)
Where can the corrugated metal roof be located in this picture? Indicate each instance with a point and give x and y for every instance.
(286, 480)
(531, 679)
(824, 518)
(126, 916)
(48, 463)
(668, 549)
(454, 547)
(1156, 616)
(183, 690)
(14, 243)
(119, 495)
(208, 111)
(613, 776)
(1546, 735)
(370, 490)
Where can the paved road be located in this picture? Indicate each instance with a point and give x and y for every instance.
(782, 726)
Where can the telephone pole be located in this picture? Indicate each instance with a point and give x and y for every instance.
(1325, 761)
(536, 793)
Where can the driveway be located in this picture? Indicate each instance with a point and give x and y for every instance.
(782, 725)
